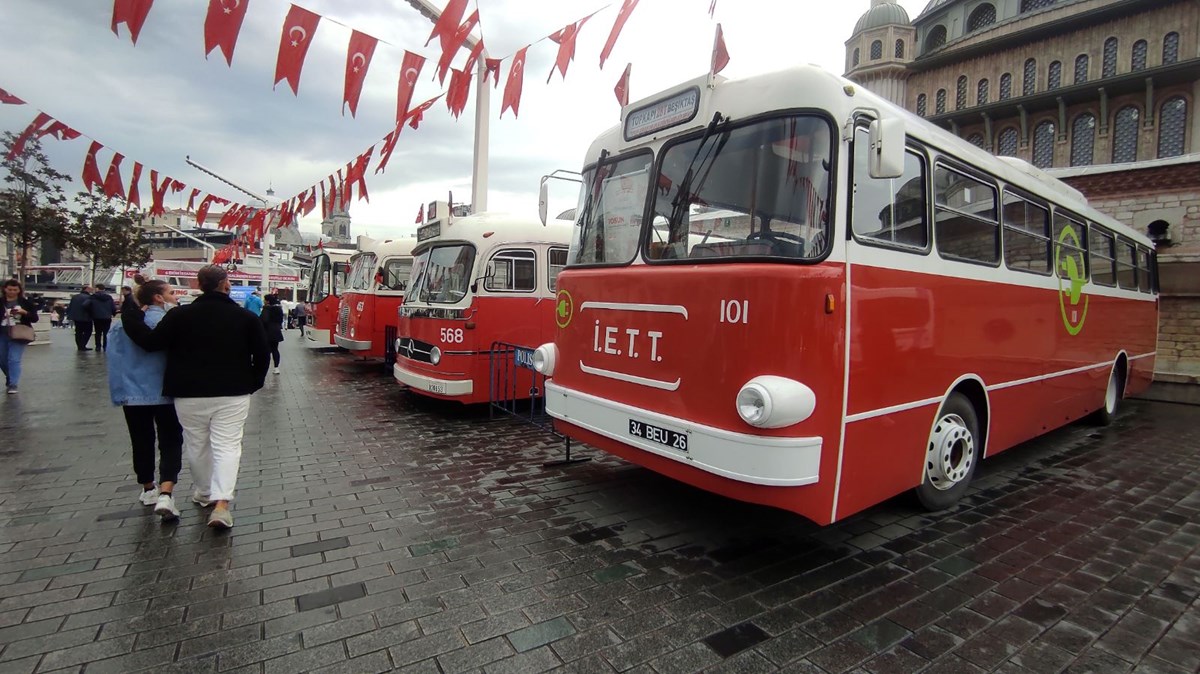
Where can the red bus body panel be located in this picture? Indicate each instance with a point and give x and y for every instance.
(367, 317)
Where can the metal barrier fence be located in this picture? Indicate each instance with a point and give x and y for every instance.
(516, 389)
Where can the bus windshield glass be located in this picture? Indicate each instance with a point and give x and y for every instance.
(442, 274)
(396, 272)
(362, 272)
(610, 211)
(318, 281)
(756, 190)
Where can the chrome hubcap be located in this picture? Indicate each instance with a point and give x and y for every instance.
(951, 452)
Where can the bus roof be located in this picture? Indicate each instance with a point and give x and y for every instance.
(511, 229)
(812, 87)
(387, 247)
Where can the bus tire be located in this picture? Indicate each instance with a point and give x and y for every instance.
(955, 447)
(1112, 396)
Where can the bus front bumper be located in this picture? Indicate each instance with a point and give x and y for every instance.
(316, 339)
(422, 382)
(756, 459)
(352, 344)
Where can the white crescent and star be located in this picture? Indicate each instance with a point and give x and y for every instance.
(228, 9)
(354, 60)
(303, 35)
(518, 65)
(410, 79)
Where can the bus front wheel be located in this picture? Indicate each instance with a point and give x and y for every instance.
(952, 453)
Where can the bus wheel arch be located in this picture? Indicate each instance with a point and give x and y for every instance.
(956, 445)
(1114, 392)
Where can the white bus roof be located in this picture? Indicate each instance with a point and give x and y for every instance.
(811, 87)
(383, 248)
(505, 227)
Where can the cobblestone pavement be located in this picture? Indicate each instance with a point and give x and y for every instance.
(376, 531)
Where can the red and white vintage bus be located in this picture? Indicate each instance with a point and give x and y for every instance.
(326, 281)
(477, 280)
(786, 290)
(374, 291)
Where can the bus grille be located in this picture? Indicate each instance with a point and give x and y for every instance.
(343, 322)
(414, 350)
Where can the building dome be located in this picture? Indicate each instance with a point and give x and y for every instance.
(882, 13)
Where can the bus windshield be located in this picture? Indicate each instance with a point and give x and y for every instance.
(442, 274)
(362, 272)
(318, 282)
(610, 211)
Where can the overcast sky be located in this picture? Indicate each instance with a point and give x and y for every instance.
(160, 100)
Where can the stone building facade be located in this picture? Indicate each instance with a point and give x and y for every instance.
(1101, 93)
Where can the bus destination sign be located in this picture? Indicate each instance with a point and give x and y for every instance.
(678, 109)
(429, 231)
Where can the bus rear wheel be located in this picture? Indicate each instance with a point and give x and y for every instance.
(952, 453)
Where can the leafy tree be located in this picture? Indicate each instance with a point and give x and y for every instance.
(111, 238)
(32, 205)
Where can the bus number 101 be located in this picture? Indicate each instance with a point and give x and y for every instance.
(735, 311)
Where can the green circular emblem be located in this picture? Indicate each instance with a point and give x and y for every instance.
(564, 309)
(1070, 266)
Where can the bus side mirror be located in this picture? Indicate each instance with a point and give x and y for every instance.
(543, 200)
(886, 138)
(489, 272)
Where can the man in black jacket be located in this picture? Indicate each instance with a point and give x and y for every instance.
(102, 307)
(81, 316)
(216, 357)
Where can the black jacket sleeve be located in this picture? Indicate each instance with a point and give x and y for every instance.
(260, 356)
(134, 322)
(31, 312)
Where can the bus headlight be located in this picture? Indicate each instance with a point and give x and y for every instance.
(544, 358)
(768, 401)
(435, 355)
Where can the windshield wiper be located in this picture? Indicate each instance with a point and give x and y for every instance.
(683, 197)
(586, 214)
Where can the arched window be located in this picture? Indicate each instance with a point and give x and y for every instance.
(876, 50)
(1109, 67)
(981, 95)
(1083, 139)
(1029, 78)
(960, 93)
(1005, 86)
(1030, 5)
(1081, 68)
(1170, 48)
(899, 49)
(1054, 75)
(936, 38)
(1138, 60)
(940, 105)
(854, 61)
(1043, 145)
(1125, 135)
(976, 139)
(1171, 119)
(1007, 147)
(921, 105)
(983, 15)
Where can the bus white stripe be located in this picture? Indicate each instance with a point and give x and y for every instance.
(626, 306)
(620, 376)
(837, 481)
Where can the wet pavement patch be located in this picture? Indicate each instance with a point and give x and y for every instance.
(371, 480)
(529, 638)
(735, 639)
(42, 471)
(320, 546)
(144, 511)
(592, 535)
(336, 595)
(421, 549)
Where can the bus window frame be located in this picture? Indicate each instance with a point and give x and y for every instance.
(384, 273)
(958, 166)
(501, 291)
(552, 279)
(1078, 221)
(1132, 246)
(1101, 230)
(610, 160)
(1139, 251)
(1048, 236)
(926, 163)
(835, 147)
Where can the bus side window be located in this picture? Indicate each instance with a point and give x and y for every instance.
(1070, 247)
(1026, 235)
(515, 271)
(966, 226)
(557, 259)
(1103, 262)
(889, 211)
(1145, 283)
(1127, 264)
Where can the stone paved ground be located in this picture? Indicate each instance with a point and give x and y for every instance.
(377, 532)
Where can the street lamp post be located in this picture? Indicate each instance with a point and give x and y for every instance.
(268, 236)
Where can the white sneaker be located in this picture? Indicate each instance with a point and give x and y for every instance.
(201, 500)
(276, 370)
(149, 498)
(166, 508)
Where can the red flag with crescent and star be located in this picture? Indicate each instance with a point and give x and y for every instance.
(565, 39)
(297, 34)
(8, 99)
(357, 174)
(192, 199)
(492, 67)
(157, 192)
(222, 25)
(358, 59)
(720, 57)
(459, 92)
(410, 70)
(622, 88)
(451, 47)
(135, 199)
(447, 22)
(309, 203)
(60, 131)
(91, 169)
(202, 212)
(418, 113)
(37, 126)
(113, 186)
(132, 13)
(389, 145)
(622, 16)
(476, 52)
(420, 215)
(512, 88)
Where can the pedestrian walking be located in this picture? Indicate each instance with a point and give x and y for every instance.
(18, 311)
(135, 382)
(80, 314)
(102, 307)
(254, 303)
(299, 315)
(216, 358)
(128, 301)
(272, 320)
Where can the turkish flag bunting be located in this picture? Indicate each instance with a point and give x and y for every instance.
(459, 92)
(449, 49)
(257, 224)
(333, 192)
(222, 25)
(357, 174)
(205, 204)
(343, 192)
(476, 52)
(243, 217)
(622, 16)
(9, 99)
(298, 30)
(512, 88)
(35, 127)
(720, 57)
(113, 186)
(135, 199)
(229, 216)
(132, 13)
(447, 22)
(60, 131)
(418, 113)
(410, 70)
(192, 200)
(420, 215)
(157, 192)
(91, 170)
(622, 88)
(492, 67)
(324, 203)
(565, 39)
(389, 145)
(358, 59)
(308, 202)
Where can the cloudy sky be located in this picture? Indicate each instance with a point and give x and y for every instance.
(161, 100)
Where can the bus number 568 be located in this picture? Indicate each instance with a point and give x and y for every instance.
(452, 335)
(735, 311)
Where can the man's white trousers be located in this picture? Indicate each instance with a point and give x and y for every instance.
(212, 441)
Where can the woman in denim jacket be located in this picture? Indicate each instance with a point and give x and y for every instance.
(135, 382)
